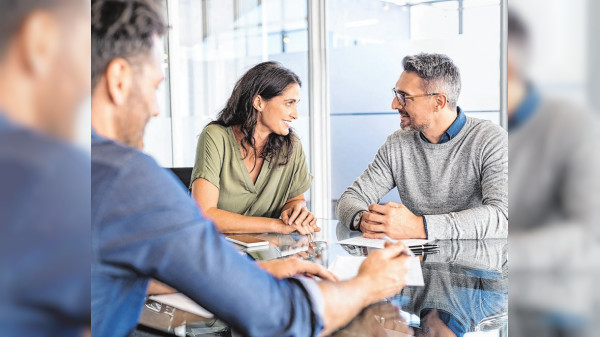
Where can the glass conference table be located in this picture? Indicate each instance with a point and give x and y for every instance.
(465, 292)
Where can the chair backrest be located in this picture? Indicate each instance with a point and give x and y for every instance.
(184, 174)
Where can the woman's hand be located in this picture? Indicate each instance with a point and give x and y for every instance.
(296, 214)
(292, 266)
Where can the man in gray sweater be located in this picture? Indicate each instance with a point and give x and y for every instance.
(451, 171)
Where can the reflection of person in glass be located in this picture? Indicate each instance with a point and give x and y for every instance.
(250, 167)
(464, 294)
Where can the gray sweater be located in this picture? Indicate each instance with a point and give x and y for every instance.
(460, 187)
(555, 189)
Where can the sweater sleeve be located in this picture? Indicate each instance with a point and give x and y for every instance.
(490, 220)
(184, 250)
(372, 185)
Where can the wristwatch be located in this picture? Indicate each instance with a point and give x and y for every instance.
(356, 221)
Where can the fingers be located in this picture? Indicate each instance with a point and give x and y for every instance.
(305, 222)
(374, 235)
(285, 216)
(301, 229)
(316, 270)
(296, 210)
(302, 216)
(394, 250)
(369, 226)
(313, 223)
(309, 217)
(381, 209)
(373, 217)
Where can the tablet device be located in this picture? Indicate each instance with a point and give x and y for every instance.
(247, 241)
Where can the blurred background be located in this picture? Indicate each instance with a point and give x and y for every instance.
(554, 168)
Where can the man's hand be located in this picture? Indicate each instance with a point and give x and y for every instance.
(384, 271)
(158, 288)
(292, 266)
(382, 274)
(381, 319)
(394, 220)
(296, 214)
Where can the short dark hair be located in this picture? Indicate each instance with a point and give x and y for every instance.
(438, 73)
(13, 12)
(123, 29)
(517, 30)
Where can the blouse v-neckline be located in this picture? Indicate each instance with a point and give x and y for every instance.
(253, 187)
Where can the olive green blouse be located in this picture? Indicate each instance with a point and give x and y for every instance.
(219, 160)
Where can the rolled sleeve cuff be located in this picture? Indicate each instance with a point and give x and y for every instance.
(425, 224)
(302, 188)
(436, 227)
(346, 215)
(316, 298)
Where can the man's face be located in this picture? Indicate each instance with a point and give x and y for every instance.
(142, 102)
(418, 111)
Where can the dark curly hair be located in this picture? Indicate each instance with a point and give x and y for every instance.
(267, 79)
(125, 29)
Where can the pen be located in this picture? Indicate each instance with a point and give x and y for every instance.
(426, 246)
(423, 249)
(426, 252)
(406, 251)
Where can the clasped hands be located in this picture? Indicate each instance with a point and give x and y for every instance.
(298, 218)
(393, 220)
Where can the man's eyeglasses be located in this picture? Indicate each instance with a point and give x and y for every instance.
(401, 96)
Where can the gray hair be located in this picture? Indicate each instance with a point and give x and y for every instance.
(438, 72)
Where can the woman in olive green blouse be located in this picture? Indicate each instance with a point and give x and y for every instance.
(250, 174)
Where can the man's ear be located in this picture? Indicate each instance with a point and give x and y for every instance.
(119, 80)
(40, 42)
(440, 102)
(258, 103)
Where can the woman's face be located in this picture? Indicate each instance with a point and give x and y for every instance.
(278, 113)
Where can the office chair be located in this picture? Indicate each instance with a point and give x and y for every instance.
(184, 174)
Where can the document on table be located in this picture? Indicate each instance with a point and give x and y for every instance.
(182, 302)
(346, 267)
(378, 243)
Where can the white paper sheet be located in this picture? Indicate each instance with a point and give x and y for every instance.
(378, 243)
(182, 302)
(346, 267)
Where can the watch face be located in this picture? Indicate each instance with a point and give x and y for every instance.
(357, 220)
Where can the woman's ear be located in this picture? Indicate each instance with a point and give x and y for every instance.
(258, 103)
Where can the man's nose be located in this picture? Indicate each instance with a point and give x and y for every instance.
(396, 105)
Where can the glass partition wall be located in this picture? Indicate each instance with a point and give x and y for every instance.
(212, 43)
(367, 40)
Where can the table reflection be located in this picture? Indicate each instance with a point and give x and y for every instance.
(466, 289)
